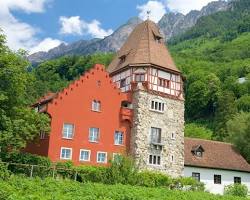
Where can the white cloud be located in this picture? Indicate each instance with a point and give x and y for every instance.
(20, 34)
(157, 10)
(184, 6)
(76, 26)
(46, 44)
(71, 25)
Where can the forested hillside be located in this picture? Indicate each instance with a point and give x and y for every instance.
(214, 57)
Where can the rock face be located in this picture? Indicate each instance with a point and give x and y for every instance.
(171, 25)
(171, 122)
(111, 43)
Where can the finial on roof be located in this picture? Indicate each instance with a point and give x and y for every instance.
(148, 13)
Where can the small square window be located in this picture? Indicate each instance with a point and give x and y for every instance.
(84, 155)
(96, 105)
(139, 77)
(217, 179)
(118, 138)
(237, 180)
(42, 135)
(154, 160)
(66, 153)
(122, 83)
(102, 157)
(68, 131)
(157, 106)
(196, 176)
(94, 134)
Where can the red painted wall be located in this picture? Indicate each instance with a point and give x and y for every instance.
(73, 105)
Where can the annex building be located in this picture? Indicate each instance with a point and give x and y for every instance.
(135, 107)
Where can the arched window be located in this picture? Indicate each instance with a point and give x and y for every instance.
(96, 105)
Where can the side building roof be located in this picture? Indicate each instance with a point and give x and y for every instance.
(216, 155)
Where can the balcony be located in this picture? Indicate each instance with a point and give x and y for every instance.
(126, 114)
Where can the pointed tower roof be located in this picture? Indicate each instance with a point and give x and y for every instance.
(145, 46)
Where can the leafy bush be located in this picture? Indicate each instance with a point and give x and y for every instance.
(4, 172)
(187, 183)
(152, 179)
(123, 170)
(237, 189)
(19, 188)
(91, 174)
(28, 160)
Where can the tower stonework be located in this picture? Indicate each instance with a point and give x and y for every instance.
(171, 123)
(144, 69)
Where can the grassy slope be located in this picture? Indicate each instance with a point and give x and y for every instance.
(26, 189)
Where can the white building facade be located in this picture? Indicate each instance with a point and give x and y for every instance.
(215, 180)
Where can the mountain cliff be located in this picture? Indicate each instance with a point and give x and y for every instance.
(171, 25)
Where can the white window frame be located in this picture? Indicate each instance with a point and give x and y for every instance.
(66, 148)
(156, 164)
(67, 134)
(96, 106)
(173, 135)
(116, 142)
(157, 105)
(159, 134)
(106, 155)
(91, 137)
(80, 159)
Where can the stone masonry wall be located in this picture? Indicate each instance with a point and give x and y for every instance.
(170, 121)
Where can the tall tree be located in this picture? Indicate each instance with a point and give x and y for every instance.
(226, 108)
(18, 122)
(239, 133)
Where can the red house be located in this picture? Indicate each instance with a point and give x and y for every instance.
(88, 121)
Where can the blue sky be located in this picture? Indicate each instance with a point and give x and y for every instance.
(36, 25)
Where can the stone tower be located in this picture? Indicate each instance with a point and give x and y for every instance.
(144, 68)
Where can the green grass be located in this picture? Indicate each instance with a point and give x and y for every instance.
(19, 188)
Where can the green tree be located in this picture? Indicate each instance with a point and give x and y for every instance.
(243, 103)
(18, 122)
(226, 108)
(239, 133)
(197, 131)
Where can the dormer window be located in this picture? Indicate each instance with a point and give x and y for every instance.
(123, 59)
(157, 36)
(198, 151)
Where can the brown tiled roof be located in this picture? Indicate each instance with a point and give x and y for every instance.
(217, 155)
(45, 99)
(142, 48)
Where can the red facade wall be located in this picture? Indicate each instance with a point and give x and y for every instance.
(73, 105)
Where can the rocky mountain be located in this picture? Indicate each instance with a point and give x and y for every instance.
(110, 43)
(171, 25)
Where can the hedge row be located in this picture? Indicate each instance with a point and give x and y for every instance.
(122, 172)
(19, 188)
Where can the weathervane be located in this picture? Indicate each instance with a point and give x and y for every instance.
(148, 13)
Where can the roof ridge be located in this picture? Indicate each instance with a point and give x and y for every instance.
(206, 140)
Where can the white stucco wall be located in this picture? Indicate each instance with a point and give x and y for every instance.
(227, 178)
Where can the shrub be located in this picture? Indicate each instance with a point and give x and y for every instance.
(91, 174)
(187, 183)
(152, 179)
(4, 172)
(28, 160)
(121, 170)
(236, 190)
